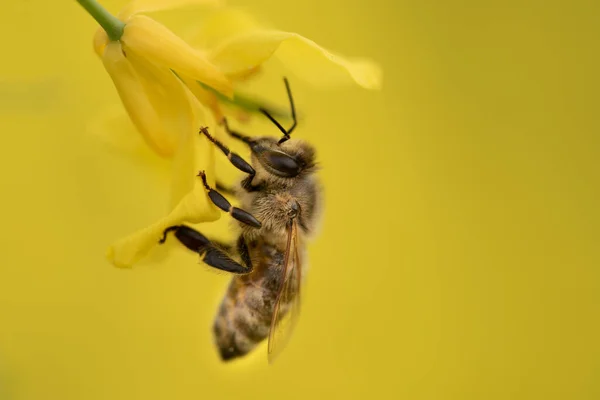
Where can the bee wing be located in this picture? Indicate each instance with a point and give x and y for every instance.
(287, 305)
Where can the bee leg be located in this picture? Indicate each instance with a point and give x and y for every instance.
(226, 247)
(235, 134)
(242, 249)
(234, 158)
(212, 255)
(248, 186)
(221, 202)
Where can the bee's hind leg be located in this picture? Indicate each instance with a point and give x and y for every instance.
(216, 257)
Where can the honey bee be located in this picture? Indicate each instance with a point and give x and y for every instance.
(280, 201)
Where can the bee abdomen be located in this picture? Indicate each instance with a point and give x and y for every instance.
(242, 323)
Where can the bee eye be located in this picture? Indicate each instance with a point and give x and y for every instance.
(282, 164)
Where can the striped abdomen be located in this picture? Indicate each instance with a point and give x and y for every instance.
(244, 317)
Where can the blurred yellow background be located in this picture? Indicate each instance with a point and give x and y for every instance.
(459, 253)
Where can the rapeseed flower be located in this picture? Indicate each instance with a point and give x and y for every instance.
(141, 57)
(239, 46)
(170, 87)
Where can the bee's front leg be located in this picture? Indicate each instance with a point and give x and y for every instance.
(235, 159)
(248, 186)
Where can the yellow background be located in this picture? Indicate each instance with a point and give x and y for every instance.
(459, 253)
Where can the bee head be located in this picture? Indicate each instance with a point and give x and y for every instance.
(285, 160)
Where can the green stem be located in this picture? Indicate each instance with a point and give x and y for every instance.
(110, 23)
(246, 103)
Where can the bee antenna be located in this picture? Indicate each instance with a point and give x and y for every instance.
(286, 133)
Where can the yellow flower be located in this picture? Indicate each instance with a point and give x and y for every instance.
(239, 46)
(165, 83)
(142, 64)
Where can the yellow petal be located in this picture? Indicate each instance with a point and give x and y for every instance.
(112, 127)
(195, 207)
(194, 153)
(219, 26)
(135, 100)
(142, 6)
(301, 56)
(100, 41)
(204, 96)
(169, 98)
(159, 45)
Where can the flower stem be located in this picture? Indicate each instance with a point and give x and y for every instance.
(110, 23)
(246, 103)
